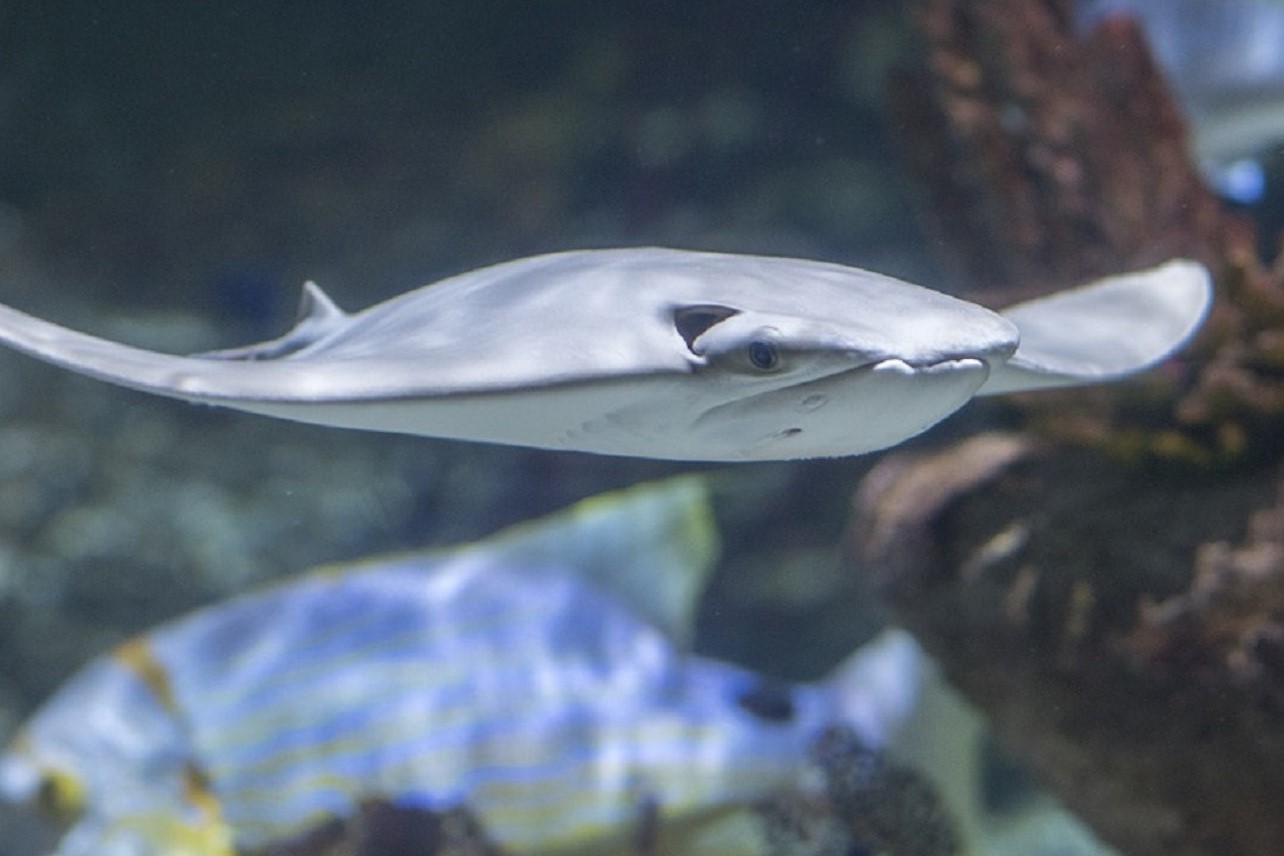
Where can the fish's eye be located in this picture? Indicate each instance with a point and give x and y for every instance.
(763, 355)
(769, 701)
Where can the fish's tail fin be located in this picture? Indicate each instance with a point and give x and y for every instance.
(893, 694)
(876, 689)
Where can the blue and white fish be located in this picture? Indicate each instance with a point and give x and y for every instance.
(1224, 60)
(537, 681)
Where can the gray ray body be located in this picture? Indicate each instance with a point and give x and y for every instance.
(660, 353)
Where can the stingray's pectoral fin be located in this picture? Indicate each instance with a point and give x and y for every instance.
(317, 317)
(1105, 329)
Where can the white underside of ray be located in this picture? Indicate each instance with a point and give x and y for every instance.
(645, 419)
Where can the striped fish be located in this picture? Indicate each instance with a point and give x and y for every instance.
(536, 683)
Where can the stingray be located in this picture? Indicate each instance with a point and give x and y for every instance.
(661, 353)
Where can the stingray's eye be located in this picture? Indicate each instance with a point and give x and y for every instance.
(763, 355)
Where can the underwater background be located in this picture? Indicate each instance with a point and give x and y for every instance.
(170, 175)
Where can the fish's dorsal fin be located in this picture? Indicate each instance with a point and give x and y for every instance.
(653, 545)
(1103, 330)
(317, 317)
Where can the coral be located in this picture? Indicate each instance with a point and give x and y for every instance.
(885, 805)
(868, 804)
(1235, 404)
(1122, 626)
(1118, 643)
(1050, 157)
(1226, 631)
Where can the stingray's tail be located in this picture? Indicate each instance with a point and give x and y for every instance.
(190, 378)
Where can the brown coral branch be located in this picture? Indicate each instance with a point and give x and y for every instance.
(1050, 157)
(1048, 583)
(1227, 630)
(1122, 627)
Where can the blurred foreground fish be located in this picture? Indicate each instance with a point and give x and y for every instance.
(534, 685)
(1226, 64)
(661, 354)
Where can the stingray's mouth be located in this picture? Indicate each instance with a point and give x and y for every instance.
(900, 366)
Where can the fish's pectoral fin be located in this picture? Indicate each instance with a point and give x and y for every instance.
(692, 322)
(318, 316)
(1103, 330)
